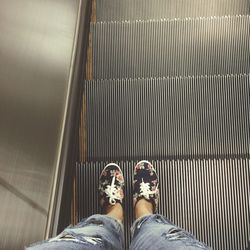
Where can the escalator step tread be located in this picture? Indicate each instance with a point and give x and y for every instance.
(177, 47)
(180, 117)
(118, 10)
(209, 198)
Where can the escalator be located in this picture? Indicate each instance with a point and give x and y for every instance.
(169, 82)
(166, 80)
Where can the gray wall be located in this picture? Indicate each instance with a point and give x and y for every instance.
(36, 44)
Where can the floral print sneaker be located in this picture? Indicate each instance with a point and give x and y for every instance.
(111, 185)
(146, 184)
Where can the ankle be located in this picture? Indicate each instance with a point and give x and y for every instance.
(143, 208)
(115, 211)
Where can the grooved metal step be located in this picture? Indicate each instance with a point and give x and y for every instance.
(120, 10)
(183, 117)
(209, 198)
(179, 47)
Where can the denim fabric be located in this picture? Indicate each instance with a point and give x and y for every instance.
(155, 232)
(95, 232)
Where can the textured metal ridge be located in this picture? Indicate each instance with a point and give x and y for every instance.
(177, 47)
(119, 10)
(183, 117)
(209, 198)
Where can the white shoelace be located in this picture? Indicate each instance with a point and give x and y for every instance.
(112, 192)
(145, 190)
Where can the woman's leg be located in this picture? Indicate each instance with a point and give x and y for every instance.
(97, 231)
(153, 231)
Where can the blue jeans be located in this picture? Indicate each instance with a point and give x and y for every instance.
(102, 232)
(155, 232)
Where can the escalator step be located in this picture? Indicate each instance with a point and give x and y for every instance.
(183, 117)
(120, 10)
(209, 198)
(178, 47)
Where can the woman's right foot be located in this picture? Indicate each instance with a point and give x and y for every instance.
(146, 189)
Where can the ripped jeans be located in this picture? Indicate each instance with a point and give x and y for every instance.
(102, 232)
(156, 232)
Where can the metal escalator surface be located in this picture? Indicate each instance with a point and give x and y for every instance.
(169, 82)
(164, 48)
(38, 63)
(120, 10)
(172, 117)
(200, 213)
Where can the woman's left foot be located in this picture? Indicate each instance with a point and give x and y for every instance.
(146, 184)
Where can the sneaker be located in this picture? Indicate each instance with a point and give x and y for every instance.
(111, 186)
(146, 184)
